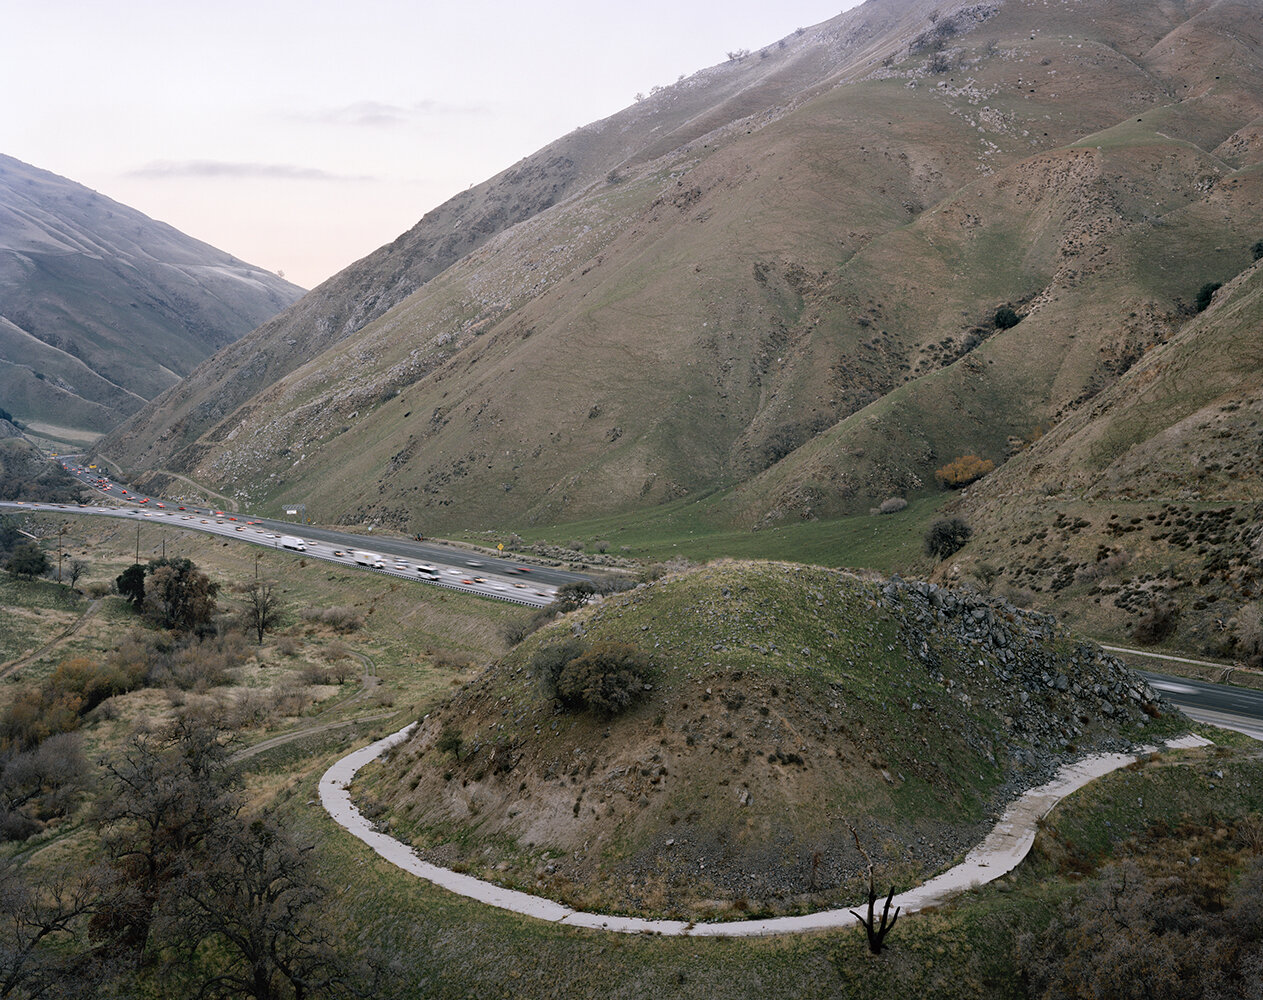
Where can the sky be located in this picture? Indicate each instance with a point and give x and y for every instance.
(302, 136)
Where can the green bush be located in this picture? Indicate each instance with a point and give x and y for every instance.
(1206, 293)
(549, 661)
(946, 537)
(1006, 318)
(608, 678)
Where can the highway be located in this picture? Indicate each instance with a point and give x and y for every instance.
(1218, 704)
(469, 572)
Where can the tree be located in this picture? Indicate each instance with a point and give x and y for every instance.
(264, 609)
(1257, 250)
(1205, 294)
(38, 918)
(571, 596)
(74, 570)
(27, 561)
(178, 595)
(607, 678)
(259, 900)
(946, 537)
(131, 584)
(165, 796)
(1006, 318)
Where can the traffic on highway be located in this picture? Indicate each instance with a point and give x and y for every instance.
(432, 564)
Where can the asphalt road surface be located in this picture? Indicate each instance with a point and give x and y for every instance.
(1218, 704)
(500, 579)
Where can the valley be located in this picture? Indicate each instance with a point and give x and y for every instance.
(830, 475)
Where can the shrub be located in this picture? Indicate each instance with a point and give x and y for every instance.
(1157, 624)
(450, 741)
(1006, 318)
(946, 537)
(962, 471)
(608, 678)
(892, 505)
(548, 662)
(27, 561)
(1205, 294)
(1257, 250)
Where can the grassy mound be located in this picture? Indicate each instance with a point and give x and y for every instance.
(780, 707)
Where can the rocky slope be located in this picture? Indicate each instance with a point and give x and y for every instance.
(786, 705)
(102, 308)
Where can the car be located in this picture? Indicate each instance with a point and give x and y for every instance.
(523, 569)
(520, 586)
(400, 565)
(473, 563)
(239, 528)
(163, 505)
(179, 508)
(468, 582)
(480, 579)
(339, 553)
(204, 521)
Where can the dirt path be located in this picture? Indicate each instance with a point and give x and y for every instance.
(12, 665)
(305, 731)
(367, 685)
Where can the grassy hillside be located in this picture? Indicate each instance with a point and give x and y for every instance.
(799, 300)
(784, 705)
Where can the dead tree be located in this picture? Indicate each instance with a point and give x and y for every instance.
(876, 930)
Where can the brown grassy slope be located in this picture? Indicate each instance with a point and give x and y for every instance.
(787, 702)
(690, 325)
(166, 434)
(1149, 495)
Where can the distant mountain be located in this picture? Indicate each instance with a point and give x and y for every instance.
(102, 308)
(778, 280)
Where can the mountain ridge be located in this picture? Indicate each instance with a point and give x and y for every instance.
(101, 307)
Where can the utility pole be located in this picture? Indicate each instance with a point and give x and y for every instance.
(138, 544)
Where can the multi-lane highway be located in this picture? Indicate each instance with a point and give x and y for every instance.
(432, 564)
(1223, 705)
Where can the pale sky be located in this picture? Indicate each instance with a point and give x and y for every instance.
(302, 136)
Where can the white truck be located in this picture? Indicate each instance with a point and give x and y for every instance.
(369, 559)
(293, 542)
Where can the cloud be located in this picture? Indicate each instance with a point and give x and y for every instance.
(167, 169)
(378, 114)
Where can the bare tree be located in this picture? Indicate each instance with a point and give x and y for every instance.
(875, 930)
(265, 610)
(167, 792)
(38, 918)
(74, 570)
(257, 897)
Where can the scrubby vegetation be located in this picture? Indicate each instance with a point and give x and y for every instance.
(962, 471)
(946, 537)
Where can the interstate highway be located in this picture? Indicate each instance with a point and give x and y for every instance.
(501, 579)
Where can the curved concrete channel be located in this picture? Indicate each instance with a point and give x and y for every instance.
(998, 854)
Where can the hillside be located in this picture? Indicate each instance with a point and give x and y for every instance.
(102, 308)
(784, 705)
(1147, 500)
(780, 272)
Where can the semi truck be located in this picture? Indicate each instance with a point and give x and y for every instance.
(293, 542)
(369, 559)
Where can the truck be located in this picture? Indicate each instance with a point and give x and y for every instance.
(293, 542)
(369, 559)
(427, 571)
